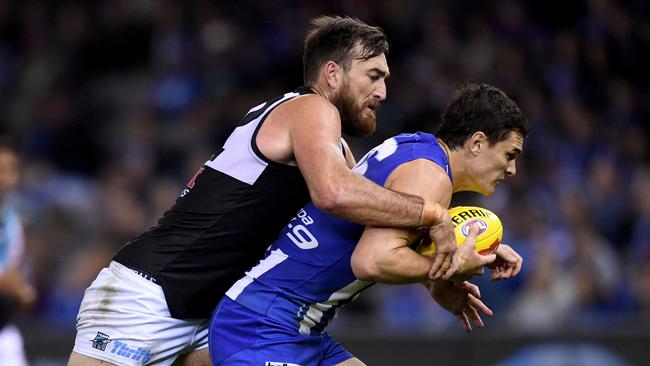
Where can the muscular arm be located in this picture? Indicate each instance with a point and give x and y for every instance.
(315, 137)
(383, 254)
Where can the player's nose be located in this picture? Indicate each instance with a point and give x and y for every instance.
(380, 91)
(512, 168)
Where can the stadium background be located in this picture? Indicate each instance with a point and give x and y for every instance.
(114, 104)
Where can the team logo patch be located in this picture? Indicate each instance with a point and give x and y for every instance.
(481, 224)
(100, 341)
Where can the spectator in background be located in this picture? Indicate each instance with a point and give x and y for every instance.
(15, 291)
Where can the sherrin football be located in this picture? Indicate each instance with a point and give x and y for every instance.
(489, 236)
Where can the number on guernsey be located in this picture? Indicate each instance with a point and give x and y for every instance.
(380, 153)
(299, 234)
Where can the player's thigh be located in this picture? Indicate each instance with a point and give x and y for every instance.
(335, 354)
(282, 349)
(351, 362)
(242, 337)
(195, 358)
(124, 320)
(77, 359)
(285, 353)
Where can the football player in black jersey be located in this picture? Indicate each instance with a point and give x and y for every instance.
(153, 302)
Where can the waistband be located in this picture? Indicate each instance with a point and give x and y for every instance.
(144, 275)
(140, 273)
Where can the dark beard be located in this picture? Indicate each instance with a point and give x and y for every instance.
(353, 123)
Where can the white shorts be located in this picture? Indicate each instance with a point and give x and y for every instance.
(11, 347)
(124, 319)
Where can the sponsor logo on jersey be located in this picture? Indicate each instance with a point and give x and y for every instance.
(140, 354)
(192, 181)
(100, 341)
(271, 363)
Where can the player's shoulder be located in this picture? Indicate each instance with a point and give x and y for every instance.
(409, 177)
(309, 104)
(408, 145)
(420, 152)
(422, 166)
(416, 138)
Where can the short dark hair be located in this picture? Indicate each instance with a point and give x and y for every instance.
(480, 107)
(334, 38)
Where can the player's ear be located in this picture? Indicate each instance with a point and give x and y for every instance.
(477, 142)
(332, 74)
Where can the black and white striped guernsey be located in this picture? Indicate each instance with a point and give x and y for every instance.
(226, 217)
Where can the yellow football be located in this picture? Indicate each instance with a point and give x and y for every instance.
(489, 236)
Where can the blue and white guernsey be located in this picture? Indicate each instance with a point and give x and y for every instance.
(306, 275)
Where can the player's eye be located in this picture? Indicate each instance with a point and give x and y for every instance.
(373, 77)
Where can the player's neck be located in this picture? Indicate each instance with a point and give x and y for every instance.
(456, 167)
(322, 91)
(450, 159)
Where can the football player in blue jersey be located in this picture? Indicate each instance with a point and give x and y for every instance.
(278, 312)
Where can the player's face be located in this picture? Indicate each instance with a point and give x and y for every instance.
(494, 163)
(362, 89)
(8, 171)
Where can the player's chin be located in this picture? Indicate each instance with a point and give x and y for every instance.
(487, 190)
(368, 116)
(366, 125)
(493, 187)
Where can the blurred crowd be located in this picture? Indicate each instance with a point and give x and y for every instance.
(114, 104)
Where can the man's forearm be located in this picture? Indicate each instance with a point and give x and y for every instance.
(367, 203)
(395, 266)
